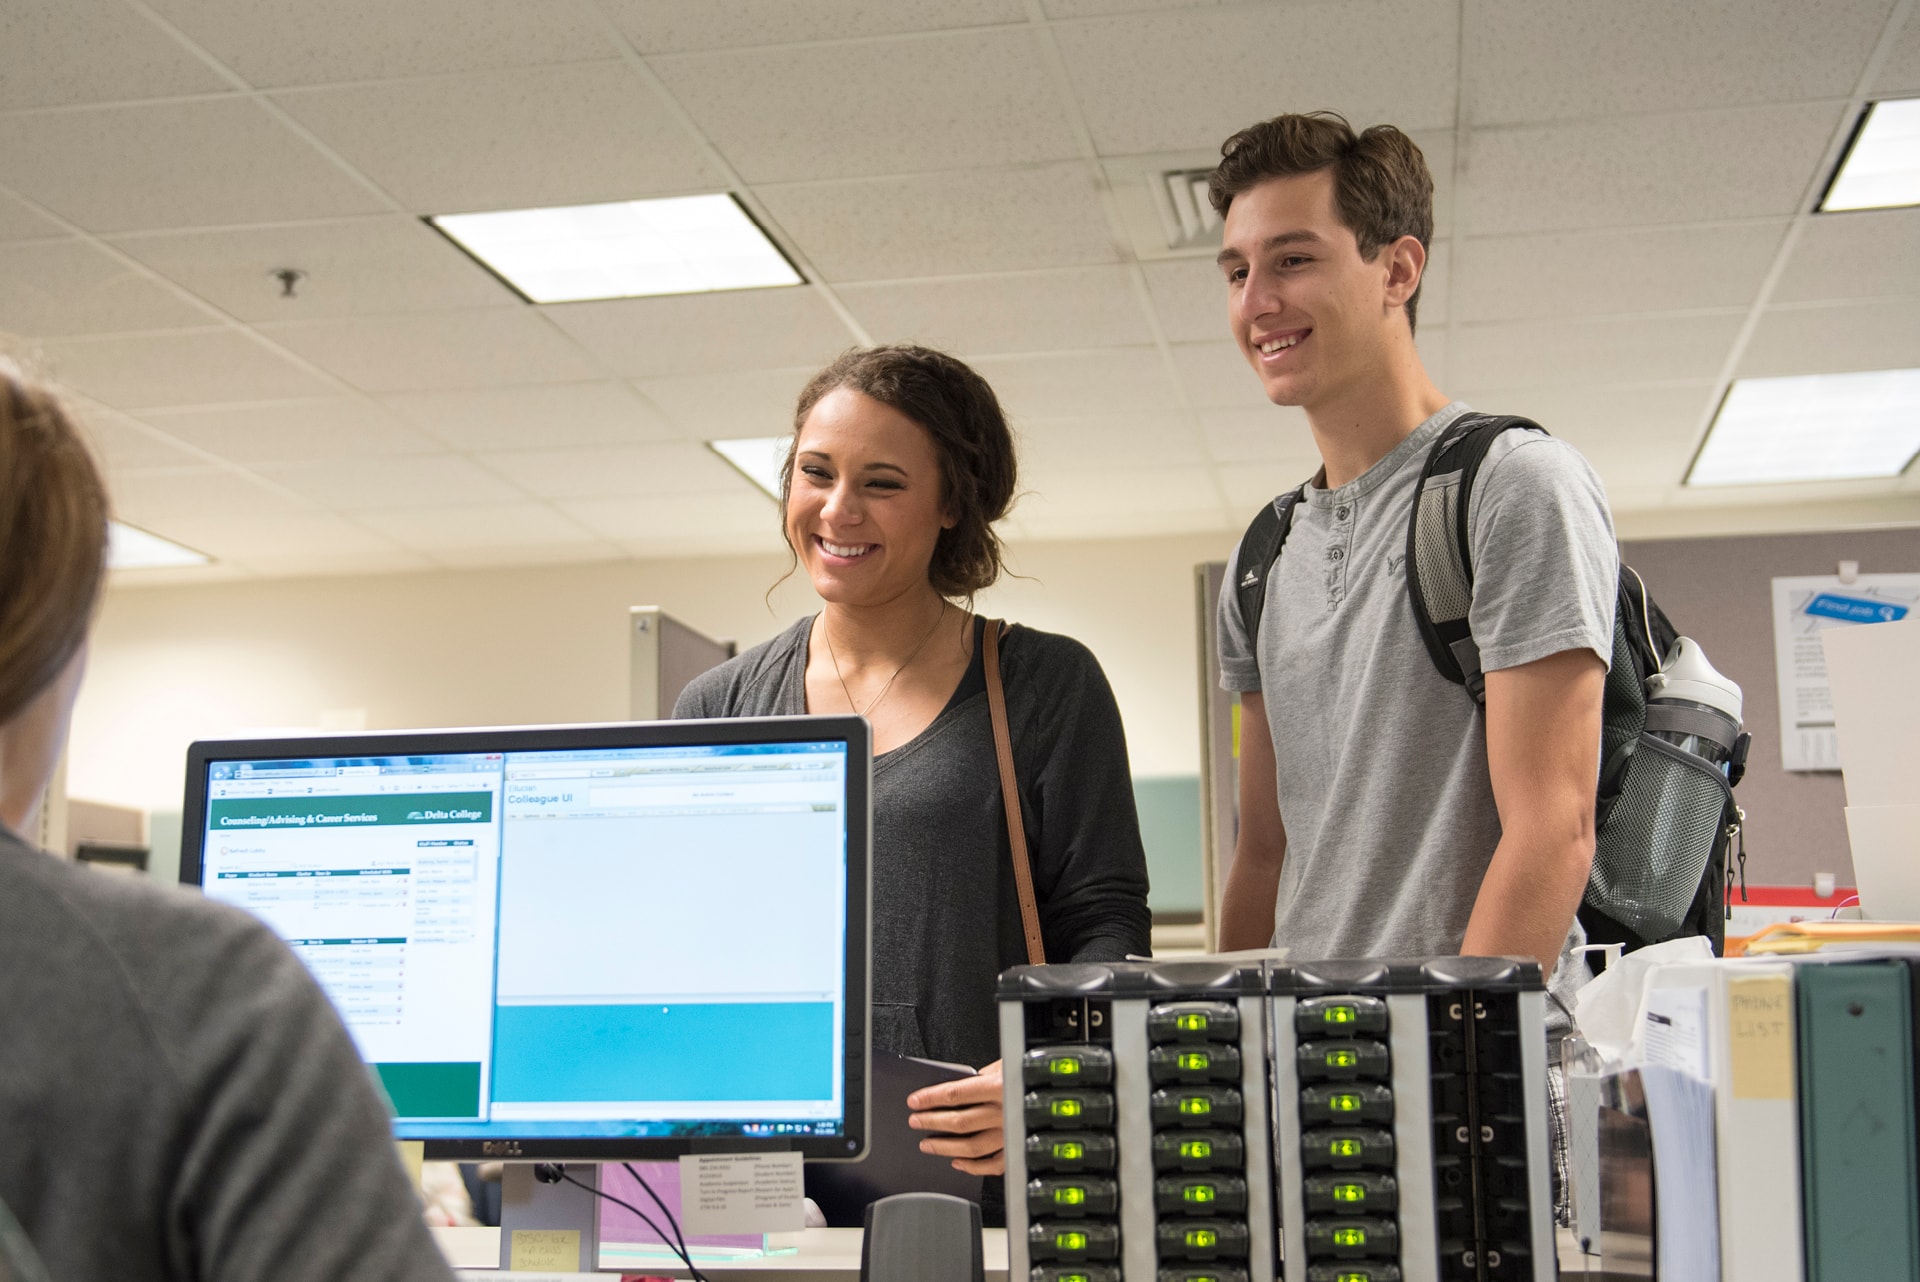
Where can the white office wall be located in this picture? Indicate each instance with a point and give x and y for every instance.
(546, 644)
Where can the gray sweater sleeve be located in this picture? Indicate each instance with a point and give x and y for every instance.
(1090, 869)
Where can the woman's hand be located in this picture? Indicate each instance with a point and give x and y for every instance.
(971, 1117)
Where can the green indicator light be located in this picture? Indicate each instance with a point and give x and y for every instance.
(1064, 1108)
(1342, 1059)
(1070, 1241)
(1081, 1277)
(1195, 1105)
(1195, 1060)
(1349, 1193)
(1069, 1150)
(1202, 1237)
(1351, 1236)
(1072, 1195)
(1345, 1148)
(1193, 1022)
(1196, 1148)
(1340, 1015)
(1355, 1277)
(1198, 1192)
(1345, 1102)
(1064, 1066)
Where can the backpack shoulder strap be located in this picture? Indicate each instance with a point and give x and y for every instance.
(1439, 564)
(1259, 549)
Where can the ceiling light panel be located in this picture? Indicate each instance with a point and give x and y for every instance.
(1816, 427)
(627, 249)
(129, 548)
(1882, 167)
(758, 458)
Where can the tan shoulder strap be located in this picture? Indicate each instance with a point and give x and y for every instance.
(1010, 793)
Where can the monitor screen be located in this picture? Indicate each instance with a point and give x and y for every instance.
(581, 942)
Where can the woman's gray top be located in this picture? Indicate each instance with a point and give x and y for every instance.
(946, 919)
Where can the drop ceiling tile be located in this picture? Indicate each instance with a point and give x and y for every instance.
(437, 351)
(1872, 253)
(295, 534)
(337, 427)
(553, 415)
(434, 481)
(1116, 380)
(544, 136)
(1189, 298)
(957, 100)
(1749, 163)
(17, 222)
(1104, 8)
(1162, 82)
(1087, 488)
(1016, 312)
(491, 525)
(706, 333)
(686, 521)
(153, 500)
(364, 267)
(632, 471)
(1901, 73)
(327, 563)
(1268, 434)
(124, 443)
(523, 554)
(53, 289)
(1638, 56)
(1541, 353)
(56, 53)
(1637, 438)
(1051, 445)
(1836, 338)
(209, 162)
(1035, 521)
(713, 407)
(271, 46)
(675, 26)
(192, 367)
(947, 224)
(1216, 375)
(1614, 272)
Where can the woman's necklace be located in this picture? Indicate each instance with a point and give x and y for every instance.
(859, 711)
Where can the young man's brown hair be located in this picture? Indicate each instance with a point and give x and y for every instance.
(1381, 184)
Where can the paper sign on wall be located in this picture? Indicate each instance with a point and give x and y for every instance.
(1803, 608)
(742, 1193)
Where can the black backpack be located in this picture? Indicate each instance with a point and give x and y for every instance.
(1664, 818)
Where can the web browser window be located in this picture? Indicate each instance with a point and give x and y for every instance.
(605, 942)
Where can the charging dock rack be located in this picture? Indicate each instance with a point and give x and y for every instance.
(1138, 1126)
(1341, 1121)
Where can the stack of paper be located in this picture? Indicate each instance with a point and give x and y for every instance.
(1875, 676)
(1680, 1115)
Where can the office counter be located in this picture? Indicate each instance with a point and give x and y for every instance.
(822, 1255)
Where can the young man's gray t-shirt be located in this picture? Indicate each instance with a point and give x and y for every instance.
(1381, 762)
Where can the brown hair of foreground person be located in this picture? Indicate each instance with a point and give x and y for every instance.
(53, 538)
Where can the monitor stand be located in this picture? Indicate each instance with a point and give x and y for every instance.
(529, 1205)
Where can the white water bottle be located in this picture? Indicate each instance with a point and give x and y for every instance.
(1692, 706)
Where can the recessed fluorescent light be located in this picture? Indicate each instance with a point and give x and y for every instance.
(758, 458)
(133, 549)
(628, 249)
(1816, 427)
(1881, 169)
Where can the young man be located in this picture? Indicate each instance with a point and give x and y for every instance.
(1386, 814)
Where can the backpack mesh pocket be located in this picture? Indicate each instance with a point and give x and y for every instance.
(1657, 839)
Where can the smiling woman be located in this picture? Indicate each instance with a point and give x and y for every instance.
(901, 463)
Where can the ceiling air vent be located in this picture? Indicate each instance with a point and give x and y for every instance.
(1181, 197)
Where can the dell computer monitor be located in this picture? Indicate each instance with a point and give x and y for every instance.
(581, 943)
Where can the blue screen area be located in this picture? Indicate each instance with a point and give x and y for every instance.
(640, 941)
(721, 1051)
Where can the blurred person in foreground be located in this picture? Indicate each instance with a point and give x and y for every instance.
(178, 1099)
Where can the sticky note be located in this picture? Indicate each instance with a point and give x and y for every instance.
(1760, 1037)
(545, 1251)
